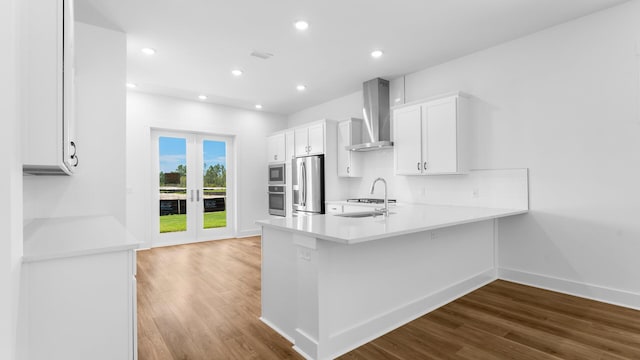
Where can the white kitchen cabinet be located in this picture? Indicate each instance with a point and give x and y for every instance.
(349, 162)
(276, 147)
(289, 143)
(289, 146)
(79, 276)
(49, 144)
(431, 137)
(309, 140)
(407, 140)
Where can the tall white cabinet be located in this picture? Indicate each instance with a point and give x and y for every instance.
(432, 137)
(349, 162)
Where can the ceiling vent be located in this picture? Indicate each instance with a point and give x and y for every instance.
(262, 55)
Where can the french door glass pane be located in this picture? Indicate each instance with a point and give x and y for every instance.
(214, 180)
(173, 184)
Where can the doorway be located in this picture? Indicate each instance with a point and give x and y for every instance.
(192, 187)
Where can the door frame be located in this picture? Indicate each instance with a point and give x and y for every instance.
(193, 233)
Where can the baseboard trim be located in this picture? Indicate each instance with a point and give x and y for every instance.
(302, 353)
(349, 339)
(306, 344)
(249, 233)
(277, 329)
(588, 291)
(181, 242)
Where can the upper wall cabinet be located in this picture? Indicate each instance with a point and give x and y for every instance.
(276, 146)
(431, 137)
(309, 140)
(349, 133)
(49, 146)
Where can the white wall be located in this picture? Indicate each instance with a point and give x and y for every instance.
(564, 103)
(11, 179)
(250, 129)
(337, 109)
(98, 187)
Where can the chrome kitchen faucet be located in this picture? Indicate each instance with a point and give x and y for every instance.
(385, 210)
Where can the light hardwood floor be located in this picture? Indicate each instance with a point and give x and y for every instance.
(202, 301)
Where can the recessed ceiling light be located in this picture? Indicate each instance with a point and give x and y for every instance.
(202, 97)
(131, 85)
(148, 51)
(376, 53)
(301, 87)
(301, 25)
(258, 106)
(236, 72)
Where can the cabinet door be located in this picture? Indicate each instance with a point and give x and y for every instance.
(316, 139)
(356, 208)
(344, 156)
(300, 142)
(48, 58)
(333, 209)
(289, 146)
(276, 148)
(407, 125)
(440, 134)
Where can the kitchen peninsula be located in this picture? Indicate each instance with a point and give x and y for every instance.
(332, 283)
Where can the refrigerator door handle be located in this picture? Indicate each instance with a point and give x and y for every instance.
(303, 170)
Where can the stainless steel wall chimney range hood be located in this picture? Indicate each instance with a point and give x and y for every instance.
(377, 121)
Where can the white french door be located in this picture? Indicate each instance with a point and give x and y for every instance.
(192, 187)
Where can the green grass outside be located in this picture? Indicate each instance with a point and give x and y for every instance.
(173, 223)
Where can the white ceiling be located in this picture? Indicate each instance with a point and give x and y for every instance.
(199, 42)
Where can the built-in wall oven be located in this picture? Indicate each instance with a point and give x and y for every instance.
(277, 200)
(277, 174)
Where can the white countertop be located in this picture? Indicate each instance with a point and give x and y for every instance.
(404, 219)
(53, 238)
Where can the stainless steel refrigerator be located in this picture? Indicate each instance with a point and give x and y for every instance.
(308, 184)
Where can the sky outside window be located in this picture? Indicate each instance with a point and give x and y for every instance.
(214, 153)
(173, 153)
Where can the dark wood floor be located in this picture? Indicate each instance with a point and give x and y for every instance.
(202, 301)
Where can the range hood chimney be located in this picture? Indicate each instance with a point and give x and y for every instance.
(377, 122)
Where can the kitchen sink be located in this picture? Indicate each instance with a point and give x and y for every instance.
(361, 214)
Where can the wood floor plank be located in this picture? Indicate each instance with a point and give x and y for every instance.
(601, 336)
(202, 301)
(531, 326)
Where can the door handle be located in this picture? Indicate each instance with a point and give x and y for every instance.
(304, 184)
(425, 165)
(191, 195)
(418, 165)
(348, 169)
(198, 195)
